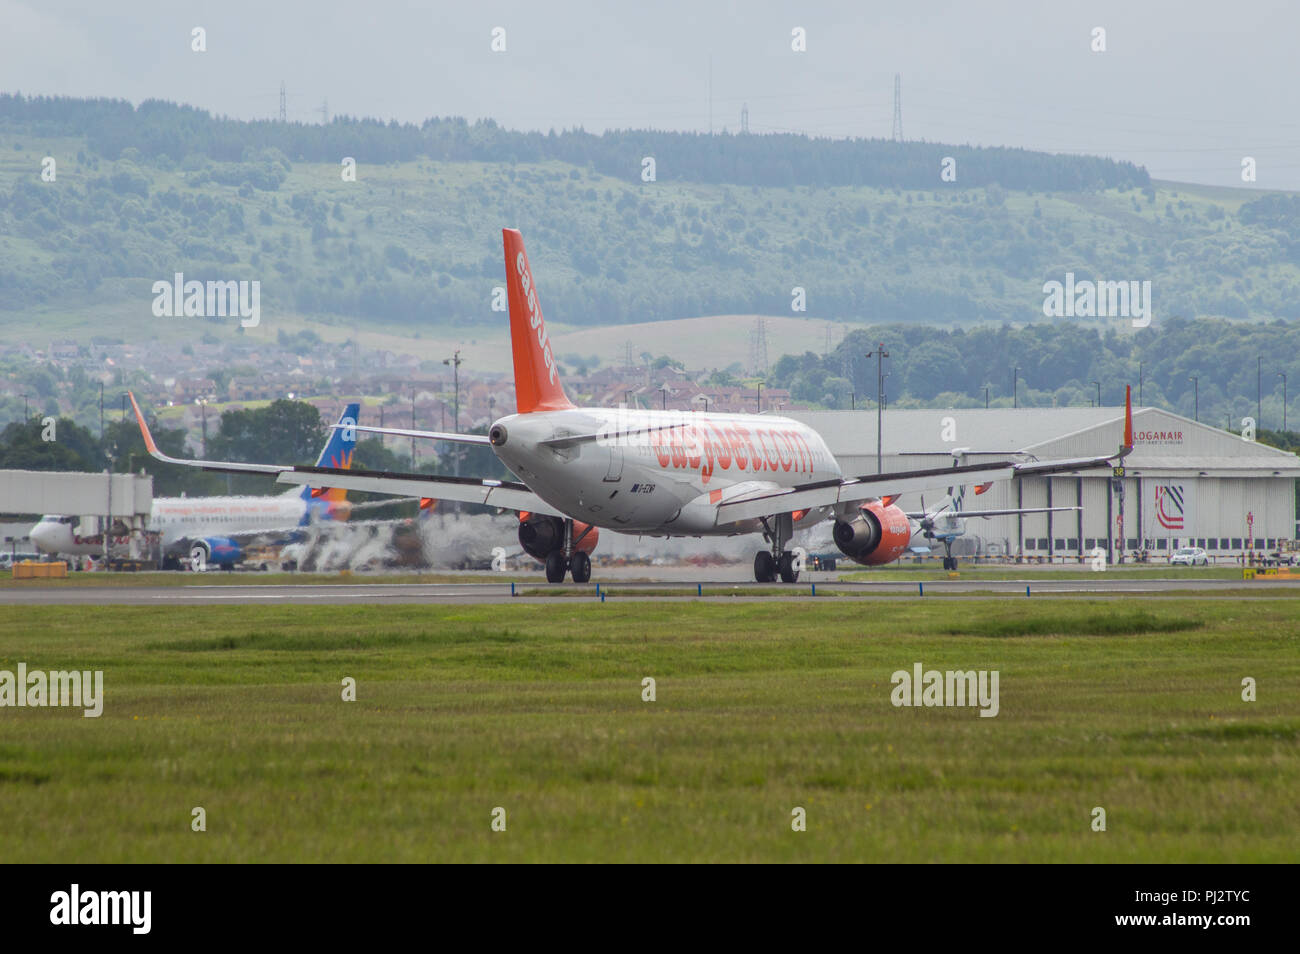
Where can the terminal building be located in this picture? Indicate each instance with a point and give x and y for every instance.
(1184, 484)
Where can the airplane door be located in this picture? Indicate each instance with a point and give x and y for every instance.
(615, 471)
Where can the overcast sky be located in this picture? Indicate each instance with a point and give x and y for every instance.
(1185, 88)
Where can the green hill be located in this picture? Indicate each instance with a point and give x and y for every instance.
(414, 243)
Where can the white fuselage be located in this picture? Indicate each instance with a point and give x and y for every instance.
(661, 472)
(180, 518)
(948, 525)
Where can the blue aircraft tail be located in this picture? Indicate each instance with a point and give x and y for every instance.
(337, 452)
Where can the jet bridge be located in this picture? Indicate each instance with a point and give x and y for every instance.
(125, 496)
(92, 503)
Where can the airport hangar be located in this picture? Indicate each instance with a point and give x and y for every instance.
(1185, 484)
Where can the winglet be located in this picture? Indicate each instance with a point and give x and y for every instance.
(1128, 421)
(230, 466)
(144, 430)
(537, 379)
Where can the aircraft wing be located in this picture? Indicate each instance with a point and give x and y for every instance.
(829, 493)
(989, 513)
(506, 494)
(853, 489)
(228, 467)
(494, 493)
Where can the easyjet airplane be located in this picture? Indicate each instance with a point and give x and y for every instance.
(657, 473)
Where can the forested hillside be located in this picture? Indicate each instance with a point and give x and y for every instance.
(732, 225)
(1060, 366)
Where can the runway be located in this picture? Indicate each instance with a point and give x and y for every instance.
(532, 590)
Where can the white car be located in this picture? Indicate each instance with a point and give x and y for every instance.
(1189, 556)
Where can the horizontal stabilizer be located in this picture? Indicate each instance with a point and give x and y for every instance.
(426, 435)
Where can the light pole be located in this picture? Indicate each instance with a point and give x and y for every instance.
(454, 361)
(663, 396)
(1196, 397)
(26, 414)
(1259, 392)
(412, 426)
(879, 354)
(1282, 375)
(1015, 387)
(760, 397)
(986, 397)
(203, 410)
(1098, 385)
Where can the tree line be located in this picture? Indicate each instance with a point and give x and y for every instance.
(159, 128)
(1198, 368)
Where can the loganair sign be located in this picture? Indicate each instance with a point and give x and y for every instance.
(1154, 436)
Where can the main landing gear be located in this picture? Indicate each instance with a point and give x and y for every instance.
(569, 559)
(769, 564)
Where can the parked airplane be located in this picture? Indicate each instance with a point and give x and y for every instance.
(947, 522)
(215, 531)
(658, 473)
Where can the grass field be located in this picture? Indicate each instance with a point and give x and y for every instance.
(760, 708)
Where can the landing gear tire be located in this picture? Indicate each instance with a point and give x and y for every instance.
(785, 566)
(198, 558)
(580, 567)
(556, 565)
(764, 567)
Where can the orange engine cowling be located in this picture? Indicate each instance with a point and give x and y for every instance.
(539, 535)
(879, 534)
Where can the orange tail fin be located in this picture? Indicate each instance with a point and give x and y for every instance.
(1128, 417)
(537, 380)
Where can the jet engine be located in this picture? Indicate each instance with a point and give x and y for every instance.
(539, 535)
(879, 534)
